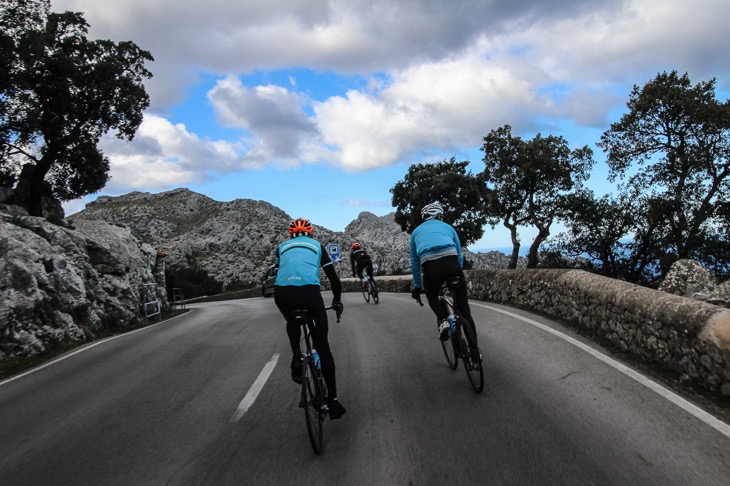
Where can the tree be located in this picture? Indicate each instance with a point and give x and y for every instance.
(63, 93)
(464, 198)
(528, 178)
(675, 142)
(601, 230)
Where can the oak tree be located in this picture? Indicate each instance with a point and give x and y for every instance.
(673, 148)
(465, 200)
(528, 178)
(62, 93)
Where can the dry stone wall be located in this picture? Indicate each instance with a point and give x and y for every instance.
(687, 336)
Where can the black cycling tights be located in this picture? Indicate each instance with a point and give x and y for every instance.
(435, 273)
(367, 266)
(308, 297)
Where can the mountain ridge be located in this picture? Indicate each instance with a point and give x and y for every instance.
(236, 241)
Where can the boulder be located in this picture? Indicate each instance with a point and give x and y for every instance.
(689, 278)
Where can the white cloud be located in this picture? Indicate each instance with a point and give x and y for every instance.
(163, 154)
(272, 114)
(440, 74)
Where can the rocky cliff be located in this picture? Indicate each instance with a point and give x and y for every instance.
(62, 283)
(236, 241)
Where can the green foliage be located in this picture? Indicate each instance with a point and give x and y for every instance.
(599, 230)
(673, 148)
(529, 178)
(193, 281)
(61, 93)
(465, 200)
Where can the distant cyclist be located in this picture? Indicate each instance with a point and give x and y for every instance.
(435, 249)
(297, 288)
(360, 260)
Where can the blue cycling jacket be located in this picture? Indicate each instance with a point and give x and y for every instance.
(299, 260)
(432, 239)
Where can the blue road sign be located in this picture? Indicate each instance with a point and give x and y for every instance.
(333, 249)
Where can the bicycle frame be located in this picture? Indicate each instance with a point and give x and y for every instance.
(461, 340)
(314, 390)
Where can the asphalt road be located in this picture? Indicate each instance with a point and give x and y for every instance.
(172, 404)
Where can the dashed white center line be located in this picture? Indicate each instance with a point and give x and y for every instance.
(255, 389)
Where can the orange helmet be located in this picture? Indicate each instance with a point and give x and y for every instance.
(355, 246)
(300, 227)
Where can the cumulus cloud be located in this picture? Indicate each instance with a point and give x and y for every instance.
(438, 75)
(272, 114)
(164, 154)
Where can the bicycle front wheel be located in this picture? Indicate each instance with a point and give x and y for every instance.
(471, 356)
(366, 293)
(311, 398)
(450, 347)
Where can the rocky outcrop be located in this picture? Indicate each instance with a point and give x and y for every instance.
(67, 283)
(689, 278)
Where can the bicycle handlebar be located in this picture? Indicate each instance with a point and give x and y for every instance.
(329, 307)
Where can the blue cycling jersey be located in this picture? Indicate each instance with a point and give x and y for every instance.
(432, 239)
(299, 260)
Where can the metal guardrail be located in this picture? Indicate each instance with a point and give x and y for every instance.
(151, 305)
(178, 298)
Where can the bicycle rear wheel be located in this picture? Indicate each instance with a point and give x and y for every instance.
(312, 399)
(373, 291)
(473, 367)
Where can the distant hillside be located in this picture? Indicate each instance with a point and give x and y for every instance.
(236, 241)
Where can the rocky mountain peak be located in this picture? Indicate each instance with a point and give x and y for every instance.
(237, 240)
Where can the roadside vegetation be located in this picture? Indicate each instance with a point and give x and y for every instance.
(669, 157)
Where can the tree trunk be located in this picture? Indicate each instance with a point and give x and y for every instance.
(515, 245)
(532, 258)
(29, 191)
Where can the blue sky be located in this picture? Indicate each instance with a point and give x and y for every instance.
(320, 106)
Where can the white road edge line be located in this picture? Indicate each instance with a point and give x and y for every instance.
(255, 389)
(690, 408)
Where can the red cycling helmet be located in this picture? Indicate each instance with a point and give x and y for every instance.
(300, 227)
(355, 246)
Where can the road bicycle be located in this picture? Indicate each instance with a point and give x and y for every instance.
(459, 344)
(314, 390)
(369, 289)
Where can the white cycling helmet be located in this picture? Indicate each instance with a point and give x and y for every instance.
(431, 211)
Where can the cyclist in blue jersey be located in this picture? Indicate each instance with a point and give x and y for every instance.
(297, 288)
(436, 250)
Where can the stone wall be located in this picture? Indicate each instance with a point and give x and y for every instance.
(687, 336)
(690, 337)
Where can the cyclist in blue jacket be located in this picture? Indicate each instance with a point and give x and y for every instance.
(297, 287)
(436, 249)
